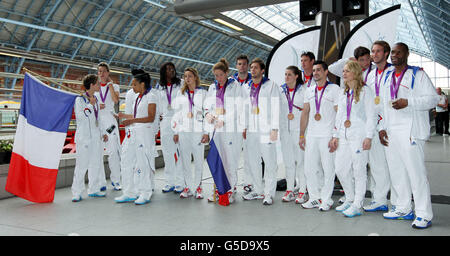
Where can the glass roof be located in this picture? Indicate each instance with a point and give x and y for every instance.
(280, 20)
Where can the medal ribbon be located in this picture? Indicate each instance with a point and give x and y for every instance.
(288, 97)
(320, 100)
(254, 94)
(220, 94)
(395, 86)
(378, 82)
(169, 94)
(94, 106)
(191, 100)
(349, 103)
(138, 101)
(106, 93)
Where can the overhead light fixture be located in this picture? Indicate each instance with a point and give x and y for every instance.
(116, 71)
(10, 54)
(228, 24)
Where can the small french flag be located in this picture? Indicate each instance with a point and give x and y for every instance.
(45, 113)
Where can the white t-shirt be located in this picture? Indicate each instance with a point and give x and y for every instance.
(142, 107)
(441, 101)
(324, 127)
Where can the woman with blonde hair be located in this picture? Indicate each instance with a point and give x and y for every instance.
(352, 138)
(189, 131)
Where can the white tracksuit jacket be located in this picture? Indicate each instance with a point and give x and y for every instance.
(407, 130)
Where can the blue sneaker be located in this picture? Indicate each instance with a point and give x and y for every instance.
(375, 207)
(398, 215)
(116, 186)
(168, 188)
(124, 199)
(103, 188)
(97, 194)
(178, 189)
(421, 223)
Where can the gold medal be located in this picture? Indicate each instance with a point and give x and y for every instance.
(220, 111)
(347, 123)
(255, 110)
(190, 115)
(377, 100)
(169, 107)
(290, 116)
(317, 116)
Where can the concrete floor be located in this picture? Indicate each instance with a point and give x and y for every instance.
(168, 215)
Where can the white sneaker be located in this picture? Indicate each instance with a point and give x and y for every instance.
(248, 189)
(312, 204)
(231, 196)
(301, 198)
(252, 196)
(76, 199)
(97, 194)
(288, 196)
(186, 193)
(343, 206)
(267, 200)
(375, 206)
(211, 197)
(178, 189)
(326, 206)
(352, 211)
(421, 223)
(198, 193)
(168, 188)
(116, 186)
(124, 199)
(141, 200)
(395, 214)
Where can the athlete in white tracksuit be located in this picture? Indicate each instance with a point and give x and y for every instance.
(262, 125)
(353, 143)
(128, 158)
(293, 157)
(141, 140)
(189, 133)
(318, 135)
(227, 135)
(108, 120)
(405, 127)
(379, 181)
(173, 170)
(88, 138)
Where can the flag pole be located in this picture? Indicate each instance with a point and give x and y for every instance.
(51, 81)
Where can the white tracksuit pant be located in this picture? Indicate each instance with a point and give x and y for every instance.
(293, 158)
(350, 164)
(127, 165)
(268, 152)
(408, 174)
(89, 158)
(379, 172)
(141, 151)
(190, 146)
(173, 172)
(317, 157)
(113, 149)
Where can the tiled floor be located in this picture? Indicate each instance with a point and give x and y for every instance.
(169, 215)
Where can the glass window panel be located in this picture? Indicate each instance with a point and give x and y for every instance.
(442, 82)
(441, 71)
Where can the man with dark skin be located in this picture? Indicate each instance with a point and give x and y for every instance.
(407, 95)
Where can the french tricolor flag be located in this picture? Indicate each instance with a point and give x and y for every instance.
(45, 113)
(218, 171)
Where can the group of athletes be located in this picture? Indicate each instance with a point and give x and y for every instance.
(369, 132)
